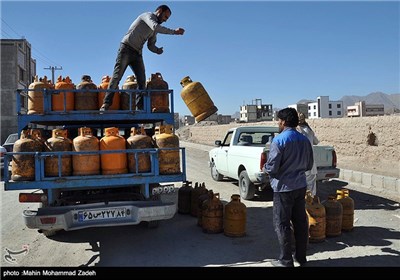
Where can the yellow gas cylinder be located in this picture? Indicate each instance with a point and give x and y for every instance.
(184, 197)
(197, 191)
(35, 95)
(213, 215)
(200, 202)
(139, 140)
(54, 164)
(130, 84)
(57, 99)
(334, 214)
(235, 217)
(197, 99)
(159, 99)
(86, 97)
(105, 81)
(85, 164)
(23, 166)
(169, 160)
(113, 163)
(316, 218)
(348, 209)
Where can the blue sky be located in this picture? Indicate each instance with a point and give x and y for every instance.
(279, 51)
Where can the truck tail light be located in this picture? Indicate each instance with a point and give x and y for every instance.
(32, 197)
(48, 220)
(334, 158)
(263, 160)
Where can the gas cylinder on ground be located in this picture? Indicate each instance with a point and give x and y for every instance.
(213, 215)
(169, 156)
(348, 209)
(113, 163)
(58, 164)
(316, 219)
(197, 99)
(85, 164)
(86, 97)
(130, 84)
(198, 190)
(139, 161)
(159, 99)
(105, 81)
(235, 217)
(58, 98)
(334, 214)
(23, 166)
(35, 95)
(201, 200)
(184, 197)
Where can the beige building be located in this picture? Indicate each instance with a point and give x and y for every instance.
(360, 109)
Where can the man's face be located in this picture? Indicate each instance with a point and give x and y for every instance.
(164, 16)
(281, 125)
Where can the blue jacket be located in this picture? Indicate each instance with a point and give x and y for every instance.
(289, 157)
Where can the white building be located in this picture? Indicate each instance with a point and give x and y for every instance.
(360, 109)
(256, 112)
(324, 108)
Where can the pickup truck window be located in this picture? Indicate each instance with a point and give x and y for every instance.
(227, 139)
(255, 139)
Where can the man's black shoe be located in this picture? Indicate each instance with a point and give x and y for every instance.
(278, 263)
(104, 107)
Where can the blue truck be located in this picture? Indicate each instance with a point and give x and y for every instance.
(77, 202)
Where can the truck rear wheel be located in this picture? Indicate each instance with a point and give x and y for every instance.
(246, 187)
(214, 173)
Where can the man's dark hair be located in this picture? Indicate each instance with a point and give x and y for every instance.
(164, 8)
(290, 116)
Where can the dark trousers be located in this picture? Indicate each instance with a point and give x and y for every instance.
(289, 207)
(127, 56)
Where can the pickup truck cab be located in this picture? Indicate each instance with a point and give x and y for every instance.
(244, 151)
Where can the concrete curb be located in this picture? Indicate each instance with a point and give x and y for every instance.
(390, 186)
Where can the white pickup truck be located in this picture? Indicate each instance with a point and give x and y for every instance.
(244, 151)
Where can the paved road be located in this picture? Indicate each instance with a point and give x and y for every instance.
(179, 242)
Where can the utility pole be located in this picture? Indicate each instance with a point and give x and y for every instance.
(53, 68)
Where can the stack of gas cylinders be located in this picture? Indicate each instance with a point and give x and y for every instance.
(86, 154)
(331, 217)
(212, 215)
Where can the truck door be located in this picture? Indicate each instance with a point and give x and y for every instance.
(222, 156)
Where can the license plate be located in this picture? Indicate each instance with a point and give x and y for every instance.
(101, 214)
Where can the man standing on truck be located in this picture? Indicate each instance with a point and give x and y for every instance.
(311, 175)
(289, 158)
(144, 28)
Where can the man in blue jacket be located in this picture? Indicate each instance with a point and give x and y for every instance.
(290, 156)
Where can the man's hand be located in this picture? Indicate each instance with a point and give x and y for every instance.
(179, 31)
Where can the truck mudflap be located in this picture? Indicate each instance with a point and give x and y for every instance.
(116, 213)
(326, 173)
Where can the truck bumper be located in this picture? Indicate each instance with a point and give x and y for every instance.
(98, 214)
(327, 173)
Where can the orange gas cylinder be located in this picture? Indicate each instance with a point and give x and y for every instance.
(54, 164)
(23, 166)
(139, 140)
(130, 84)
(334, 214)
(57, 99)
(198, 190)
(213, 215)
(316, 218)
(159, 99)
(113, 163)
(105, 81)
(184, 197)
(169, 160)
(197, 99)
(86, 97)
(348, 209)
(35, 95)
(85, 164)
(235, 217)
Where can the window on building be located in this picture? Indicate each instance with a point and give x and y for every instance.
(338, 106)
(330, 106)
(21, 73)
(315, 114)
(330, 113)
(315, 107)
(309, 114)
(339, 113)
(309, 107)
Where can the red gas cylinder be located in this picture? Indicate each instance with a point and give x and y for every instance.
(113, 163)
(57, 99)
(105, 81)
(159, 99)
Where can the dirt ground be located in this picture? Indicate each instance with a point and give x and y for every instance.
(368, 144)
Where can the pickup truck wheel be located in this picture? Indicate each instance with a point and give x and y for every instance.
(246, 187)
(215, 174)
